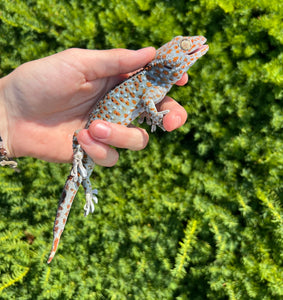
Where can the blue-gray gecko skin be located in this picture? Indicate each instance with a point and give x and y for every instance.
(135, 97)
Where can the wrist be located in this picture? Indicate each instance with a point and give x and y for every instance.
(4, 154)
(3, 116)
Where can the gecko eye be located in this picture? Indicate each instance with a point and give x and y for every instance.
(186, 44)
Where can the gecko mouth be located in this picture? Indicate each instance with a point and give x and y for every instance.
(200, 49)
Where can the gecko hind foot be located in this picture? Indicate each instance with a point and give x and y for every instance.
(90, 200)
(78, 168)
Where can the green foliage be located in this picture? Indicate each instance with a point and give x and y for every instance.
(196, 215)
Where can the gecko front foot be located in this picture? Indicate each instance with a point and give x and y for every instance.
(154, 119)
(157, 120)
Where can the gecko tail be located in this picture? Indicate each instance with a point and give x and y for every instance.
(69, 192)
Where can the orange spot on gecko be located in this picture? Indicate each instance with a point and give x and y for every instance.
(115, 101)
(125, 115)
(116, 113)
(56, 243)
(134, 101)
(148, 84)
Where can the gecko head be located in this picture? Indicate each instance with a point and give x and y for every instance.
(192, 46)
(182, 52)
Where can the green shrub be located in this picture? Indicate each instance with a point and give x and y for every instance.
(198, 213)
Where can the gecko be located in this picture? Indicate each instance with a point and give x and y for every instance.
(134, 98)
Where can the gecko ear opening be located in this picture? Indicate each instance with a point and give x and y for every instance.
(186, 44)
(167, 67)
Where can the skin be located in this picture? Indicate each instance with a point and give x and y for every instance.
(43, 102)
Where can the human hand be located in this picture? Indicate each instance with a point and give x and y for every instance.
(44, 101)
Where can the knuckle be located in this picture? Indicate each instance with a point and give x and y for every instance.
(72, 51)
(109, 161)
(141, 140)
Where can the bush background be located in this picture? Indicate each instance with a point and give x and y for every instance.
(198, 213)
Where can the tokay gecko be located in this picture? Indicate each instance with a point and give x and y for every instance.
(135, 97)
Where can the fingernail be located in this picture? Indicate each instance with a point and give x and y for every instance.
(101, 130)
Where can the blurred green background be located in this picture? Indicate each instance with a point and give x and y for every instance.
(198, 213)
